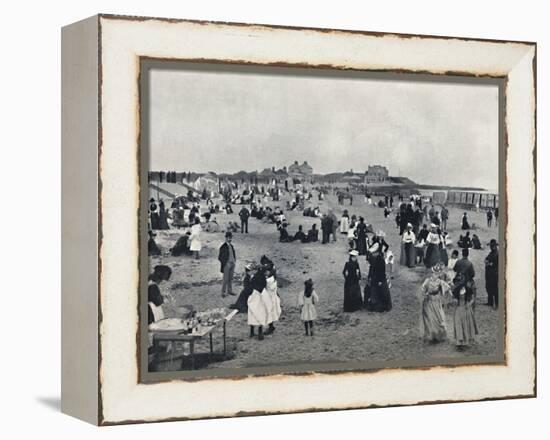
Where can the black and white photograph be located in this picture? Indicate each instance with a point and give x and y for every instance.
(307, 219)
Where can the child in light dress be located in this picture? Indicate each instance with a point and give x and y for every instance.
(307, 301)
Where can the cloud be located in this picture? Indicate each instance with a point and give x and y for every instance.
(439, 133)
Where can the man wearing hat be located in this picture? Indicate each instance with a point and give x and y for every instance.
(491, 275)
(227, 259)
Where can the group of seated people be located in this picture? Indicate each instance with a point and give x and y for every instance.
(300, 236)
(312, 212)
(466, 242)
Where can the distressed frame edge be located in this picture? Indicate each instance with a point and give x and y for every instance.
(79, 119)
(104, 422)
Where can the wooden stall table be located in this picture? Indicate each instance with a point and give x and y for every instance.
(178, 336)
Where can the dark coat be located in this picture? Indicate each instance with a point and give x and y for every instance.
(223, 255)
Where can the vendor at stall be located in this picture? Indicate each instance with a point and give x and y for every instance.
(155, 298)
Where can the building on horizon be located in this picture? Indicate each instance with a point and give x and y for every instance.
(376, 174)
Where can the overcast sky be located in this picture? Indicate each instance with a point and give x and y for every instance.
(433, 133)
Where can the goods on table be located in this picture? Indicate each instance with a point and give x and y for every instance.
(191, 325)
(211, 316)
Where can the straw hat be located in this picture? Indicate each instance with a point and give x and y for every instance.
(381, 233)
(409, 225)
(354, 253)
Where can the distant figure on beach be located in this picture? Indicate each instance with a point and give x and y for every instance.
(489, 218)
(307, 300)
(344, 222)
(377, 297)
(244, 214)
(326, 228)
(227, 258)
(313, 234)
(464, 241)
(408, 254)
(352, 289)
(195, 237)
(163, 216)
(152, 248)
(444, 217)
(361, 231)
(491, 275)
(154, 215)
(465, 224)
(300, 236)
(476, 242)
(433, 241)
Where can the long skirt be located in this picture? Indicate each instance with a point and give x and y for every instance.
(408, 255)
(432, 255)
(362, 245)
(272, 304)
(163, 220)
(344, 225)
(465, 327)
(378, 297)
(155, 223)
(242, 301)
(433, 319)
(257, 311)
(352, 296)
(443, 256)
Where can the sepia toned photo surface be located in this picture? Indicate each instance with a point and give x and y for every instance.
(302, 220)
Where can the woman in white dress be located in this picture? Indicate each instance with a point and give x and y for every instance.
(271, 299)
(257, 312)
(307, 301)
(195, 237)
(344, 222)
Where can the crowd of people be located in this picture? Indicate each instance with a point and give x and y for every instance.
(424, 243)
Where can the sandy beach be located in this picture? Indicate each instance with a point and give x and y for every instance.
(339, 336)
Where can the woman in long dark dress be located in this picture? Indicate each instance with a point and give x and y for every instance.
(377, 291)
(163, 219)
(361, 230)
(154, 214)
(242, 301)
(465, 223)
(152, 246)
(352, 290)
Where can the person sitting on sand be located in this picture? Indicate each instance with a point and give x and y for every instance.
(465, 242)
(283, 234)
(313, 234)
(152, 247)
(182, 246)
(476, 242)
(300, 236)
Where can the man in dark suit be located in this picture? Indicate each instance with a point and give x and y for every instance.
(244, 214)
(227, 259)
(491, 275)
(465, 272)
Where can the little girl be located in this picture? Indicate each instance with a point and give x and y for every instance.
(307, 301)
